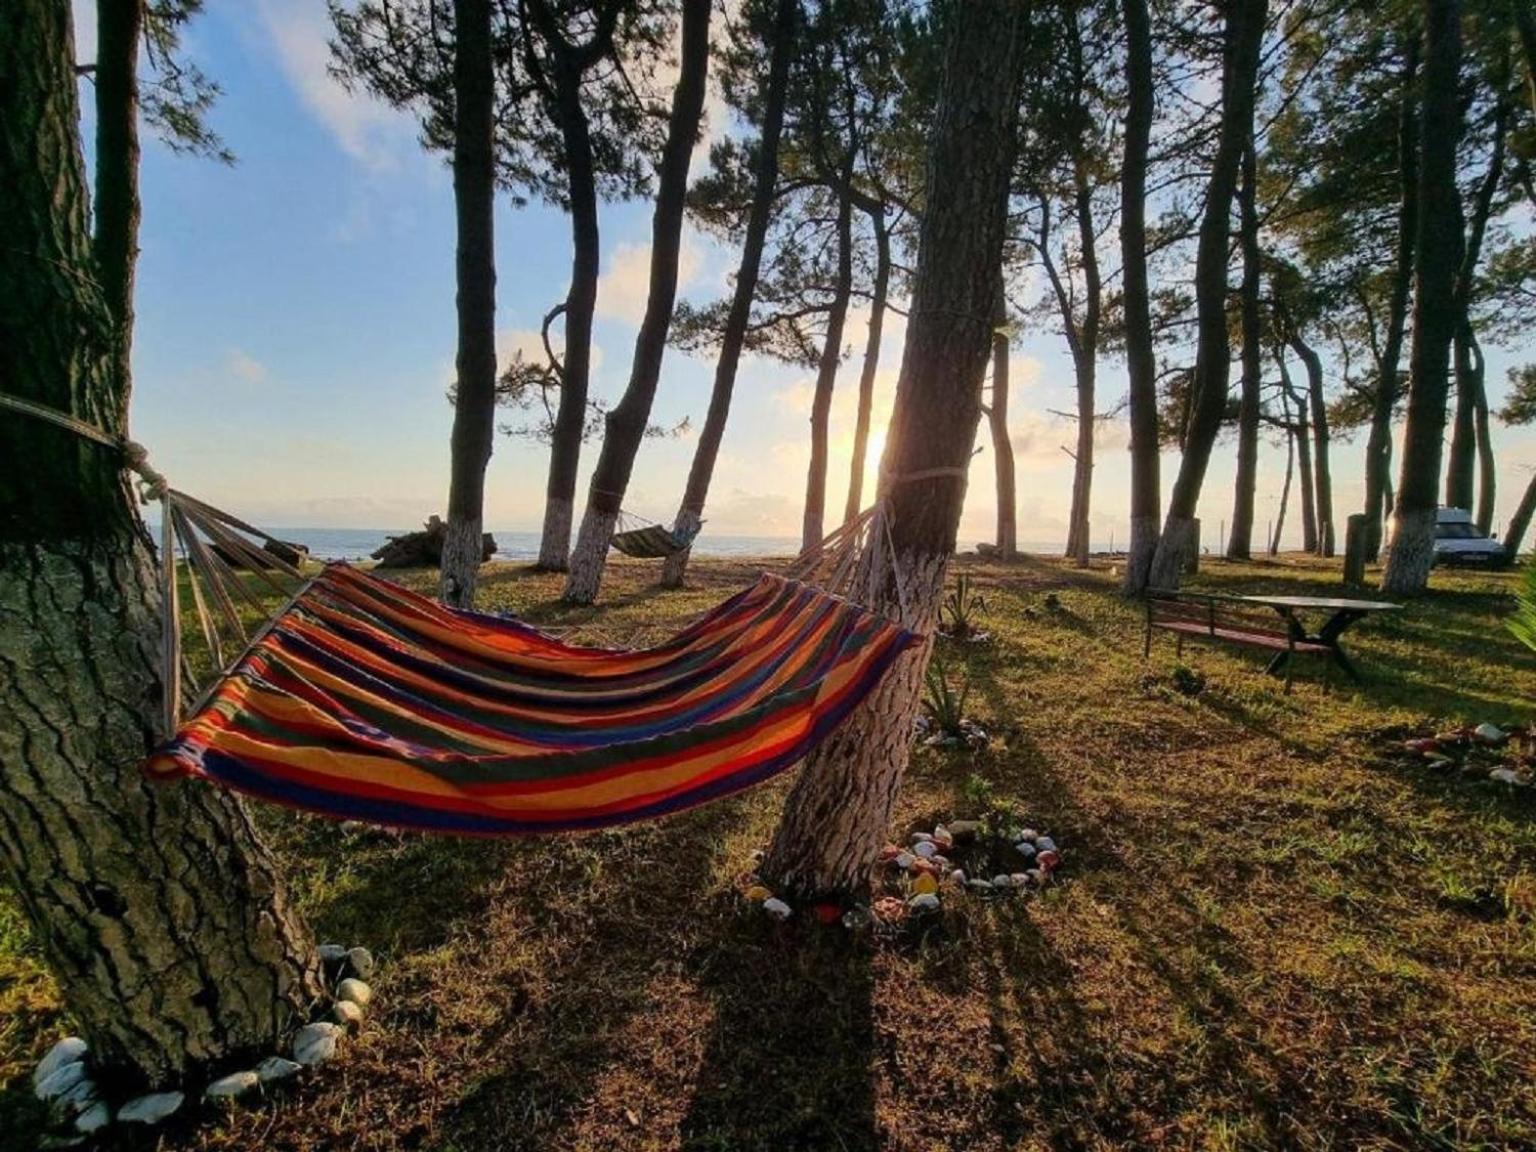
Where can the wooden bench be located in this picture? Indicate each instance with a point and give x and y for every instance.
(1206, 616)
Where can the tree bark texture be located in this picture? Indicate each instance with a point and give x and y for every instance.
(1520, 522)
(1303, 450)
(1322, 474)
(840, 806)
(691, 513)
(1292, 437)
(1141, 361)
(1002, 443)
(1086, 349)
(1240, 542)
(813, 523)
(157, 908)
(1378, 446)
(1461, 456)
(1243, 36)
(568, 68)
(474, 198)
(875, 210)
(625, 426)
(119, 28)
(1437, 255)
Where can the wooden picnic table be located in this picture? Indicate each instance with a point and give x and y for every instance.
(1344, 614)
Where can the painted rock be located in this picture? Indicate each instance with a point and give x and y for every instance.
(1026, 834)
(828, 913)
(925, 883)
(941, 863)
(347, 1014)
(150, 1109)
(360, 962)
(69, 1050)
(81, 1096)
(94, 1118)
(1044, 844)
(1489, 734)
(757, 893)
(889, 853)
(275, 1068)
(922, 838)
(1504, 776)
(332, 953)
(857, 918)
(964, 831)
(944, 838)
(904, 860)
(354, 990)
(61, 1081)
(1048, 859)
(890, 908)
(957, 876)
(926, 849)
(1002, 880)
(228, 1087)
(1025, 849)
(1020, 879)
(776, 908)
(923, 903)
(315, 1043)
(924, 868)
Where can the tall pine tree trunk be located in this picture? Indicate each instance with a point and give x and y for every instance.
(1303, 449)
(1240, 542)
(1007, 539)
(1243, 35)
(1520, 522)
(1487, 479)
(840, 806)
(1087, 347)
(1141, 362)
(1437, 255)
(119, 30)
(691, 513)
(1322, 474)
(1293, 436)
(158, 910)
(1378, 446)
(813, 523)
(474, 198)
(1461, 455)
(625, 426)
(580, 304)
(875, 210)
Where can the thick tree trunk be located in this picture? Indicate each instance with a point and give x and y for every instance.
(839, 808)
(1141, 362)
(1487, 479)
(875, 210)
(691, 513)
(157, 909)
(119, 28)
(1244, 33)
(1438, 251)
(1321, 467)
(1520, 522)
(474, 197)
(626, 424)
(1378, 447)
(1240, 543)
(1007, 540)
(1461, 457)
(1303, 449)
(580, 304)
(813, 523)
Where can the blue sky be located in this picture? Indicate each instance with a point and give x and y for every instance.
(296, 332)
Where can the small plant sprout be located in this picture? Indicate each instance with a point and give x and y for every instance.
(944, 702)
(961, 608)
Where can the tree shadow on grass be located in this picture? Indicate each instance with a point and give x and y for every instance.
(788, 1062)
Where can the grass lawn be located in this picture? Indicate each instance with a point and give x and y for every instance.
(1269, 931)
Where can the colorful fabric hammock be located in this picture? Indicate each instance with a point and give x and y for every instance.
(652, 542)
(365, 701)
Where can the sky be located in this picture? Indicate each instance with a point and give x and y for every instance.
(296, 328)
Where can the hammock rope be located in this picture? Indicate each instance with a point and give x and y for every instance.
(363, 700)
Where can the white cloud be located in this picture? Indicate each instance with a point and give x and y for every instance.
(243, 366)
(85, 30)
(529, 342)
(624, 288)
(368, 130)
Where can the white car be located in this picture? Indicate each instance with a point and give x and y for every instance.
(1457, 540)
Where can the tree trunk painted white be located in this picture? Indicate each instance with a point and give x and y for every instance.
(555, 543)
(460, 565)
(1172, 554)
(589, 555)
(674, 566)
(1411, 552)
(1139, 553)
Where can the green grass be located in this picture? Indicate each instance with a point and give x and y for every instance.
(1271, 931)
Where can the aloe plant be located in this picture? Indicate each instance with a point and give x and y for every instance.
(944, 703)
(961, 608)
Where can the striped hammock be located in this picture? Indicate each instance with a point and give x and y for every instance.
(365, 701)
(652, 542)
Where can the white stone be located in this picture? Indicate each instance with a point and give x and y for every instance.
(924, 902)
(1021, 880)
(94, 1118)
(1025, 849)
(315, 1043)
(776, 908)
(332, 953)
(1044, 844)
(69, 1050)
(150, 1109)
(235, 1084)
(348, 1013)
(354, 990)
(1002, 880)
(60, 1082)
(81, 1096)
(903, 860)
(1026, 834)
(921, 838)
(276, 1068)
(958, 876)
(1489, 733)
(1504, 776)
(360, 961)
(926, 849)
(940, 862)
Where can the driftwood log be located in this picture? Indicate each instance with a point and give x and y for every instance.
(291, 554)
(424, 549)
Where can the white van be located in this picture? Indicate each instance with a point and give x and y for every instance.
(1457, 540)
